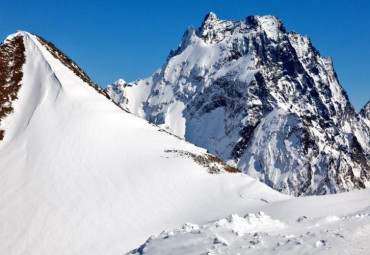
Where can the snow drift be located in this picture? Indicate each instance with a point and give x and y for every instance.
(332, 224)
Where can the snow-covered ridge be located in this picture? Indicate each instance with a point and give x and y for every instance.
(70, 64)
(81, 176)
(228, 79)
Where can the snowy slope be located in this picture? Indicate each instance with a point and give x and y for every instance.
(332, 224)
(230, 80)
(81, 176)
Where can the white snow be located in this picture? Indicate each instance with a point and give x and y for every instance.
(174, 121)
(270, 25)
(81, 176)
(78, 175)
(333, 224)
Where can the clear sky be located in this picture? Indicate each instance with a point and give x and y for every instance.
(131, 39)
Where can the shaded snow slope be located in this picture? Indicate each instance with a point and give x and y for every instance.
(81, 176)
(333, 224)
(227, 79)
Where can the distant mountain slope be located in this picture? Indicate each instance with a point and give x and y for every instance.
(365, 112)
(260, 98)
(81, 176)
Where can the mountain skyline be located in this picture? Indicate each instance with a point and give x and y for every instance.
(81, 175)
(118, 45)
(235, 87)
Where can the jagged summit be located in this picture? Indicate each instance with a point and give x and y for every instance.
(214, 30)
(261, 98)
(253, 21)
(210, 18)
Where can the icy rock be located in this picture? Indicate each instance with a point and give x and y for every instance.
(234, 87)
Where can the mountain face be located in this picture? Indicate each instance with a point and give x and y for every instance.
(81, 176)
(365, 112)
(260, 98)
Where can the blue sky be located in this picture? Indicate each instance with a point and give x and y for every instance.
(131, 39)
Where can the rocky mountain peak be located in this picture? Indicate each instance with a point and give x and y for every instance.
(214, 30)
(269, 24)
(260, 98)
(211, 17)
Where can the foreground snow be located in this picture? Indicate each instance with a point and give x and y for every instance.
(337, 224)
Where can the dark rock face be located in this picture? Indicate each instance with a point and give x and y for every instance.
(365, 112)
(260, 98)
(12, 58)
